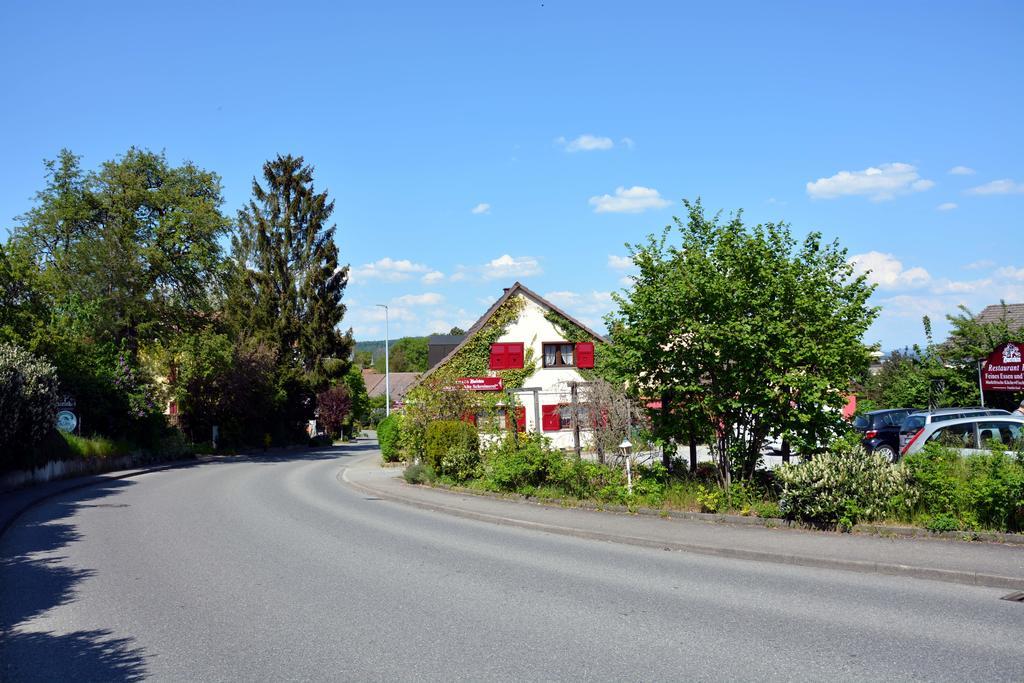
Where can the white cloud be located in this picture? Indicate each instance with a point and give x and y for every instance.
(946, 206)
(961, 286)
(1011, 273)
(425, 299)
(887, 271)
(978, 265)
(481, 208)
(592, 303)
(629, 200)
(388, 270)
(619, 262)
(432, 277)
(586, 143)
(506, 266)
(1004, 186)
(962, 170)
(877, 183)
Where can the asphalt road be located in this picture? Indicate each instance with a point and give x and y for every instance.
(274, 569)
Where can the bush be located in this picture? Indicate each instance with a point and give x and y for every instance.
(841, 487)
(460, 464)
(512, 466)
(983, 491)
(97, 447)
(388, 435)
(419, 474)
(448, 436)
(28, 403)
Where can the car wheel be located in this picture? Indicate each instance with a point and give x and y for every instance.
(887, 452)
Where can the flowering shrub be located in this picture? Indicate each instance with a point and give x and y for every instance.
(137, 391)
(28, 400)
(843, 486)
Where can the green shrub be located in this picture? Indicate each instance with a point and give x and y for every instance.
(843, 486)
(996, 491)
(942, 522)
(706, 472)
(419, 474)
(95, 446)
(388, 435)
(28, 403)
(710, 499)
(940, 476)
(447, 436)
(460, 464)
(766, 509)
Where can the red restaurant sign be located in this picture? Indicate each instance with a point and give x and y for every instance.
(481, 383)
(1003, 370)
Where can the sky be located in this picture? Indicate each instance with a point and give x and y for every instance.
(472, 144)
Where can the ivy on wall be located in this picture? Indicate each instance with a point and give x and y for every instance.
(473, 359)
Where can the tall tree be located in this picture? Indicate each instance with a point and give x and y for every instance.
(754, 335)
(137, 240)
(288, 285)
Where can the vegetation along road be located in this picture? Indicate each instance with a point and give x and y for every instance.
(273, 568)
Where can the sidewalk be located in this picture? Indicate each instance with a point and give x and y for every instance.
(981, 564)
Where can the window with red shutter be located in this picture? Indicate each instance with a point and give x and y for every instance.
(520, 417)
(550, 419)
(499, 359)
(585, 355)
(514, 355)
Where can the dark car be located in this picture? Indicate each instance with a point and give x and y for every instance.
(880, 431)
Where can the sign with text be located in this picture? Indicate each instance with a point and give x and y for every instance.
(481, 383)
(1003, 369)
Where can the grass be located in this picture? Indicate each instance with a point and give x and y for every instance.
(98, 447)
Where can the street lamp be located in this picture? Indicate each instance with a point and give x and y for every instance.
(387, 364)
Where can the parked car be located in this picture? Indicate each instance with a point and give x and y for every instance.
(912, 424)
(970, 435)
(880, 431)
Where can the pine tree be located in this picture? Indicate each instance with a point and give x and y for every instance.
(288, 286)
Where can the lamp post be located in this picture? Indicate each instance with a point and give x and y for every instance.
(387, 364)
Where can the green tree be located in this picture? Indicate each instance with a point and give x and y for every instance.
(139, 238)
(408, 354)
(287, 285)
(754, 335)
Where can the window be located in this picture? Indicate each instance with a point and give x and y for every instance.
(999, 433)
(955, 436)
(559, 355)
(507, 356)
(564, 417)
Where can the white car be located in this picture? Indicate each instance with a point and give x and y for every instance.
(970, 435)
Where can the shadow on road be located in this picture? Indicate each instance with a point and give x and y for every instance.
(273, 456)
(35, 578)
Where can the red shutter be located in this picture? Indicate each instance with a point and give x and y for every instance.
(585, 355)
(514, 355)
(550, 419)
(520, 413)
(499, 360)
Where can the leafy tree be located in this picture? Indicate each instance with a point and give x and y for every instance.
(28, 402)
(408, 354)
(334, 409)
(357, 392)
(287, 286)
(138, 238)
(456, 331)
(755, 336)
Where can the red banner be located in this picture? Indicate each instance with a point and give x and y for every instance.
(481, 383)
(1003, 370)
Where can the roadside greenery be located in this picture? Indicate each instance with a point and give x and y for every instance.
(743, 334)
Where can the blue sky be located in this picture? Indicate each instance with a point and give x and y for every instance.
(472, 144)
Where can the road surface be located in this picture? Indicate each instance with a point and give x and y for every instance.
(274, 569)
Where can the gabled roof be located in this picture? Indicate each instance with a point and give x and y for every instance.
(994, 313)
(516, 288)
(400, 383)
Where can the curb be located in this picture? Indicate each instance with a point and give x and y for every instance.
(8, 520)
(865, 528)
(928, 573)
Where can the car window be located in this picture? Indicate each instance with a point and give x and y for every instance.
(912, 423)
(955, 436)
(995, 433)
(860, 422)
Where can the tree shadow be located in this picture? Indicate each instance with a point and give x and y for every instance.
(278, 455)
(34, 580)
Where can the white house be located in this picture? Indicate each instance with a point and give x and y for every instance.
(528, 332)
